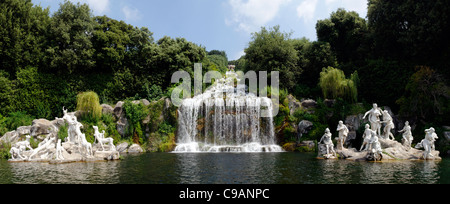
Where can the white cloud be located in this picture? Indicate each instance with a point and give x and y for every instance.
(307, 10)
(131, 14)
(239, 54)
(350, 5)
(249, 16)
(99, 7)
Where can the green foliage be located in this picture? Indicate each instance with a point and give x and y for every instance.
(271, 50)
(335, 85)
(426, 96)
(89, 106)
(16, 119)
(111, 127)
(6, 93)
(410, 30)
(154, 92)
(135, 113)
(23, 34)
(63, 132)
(70, 49)
(3, 128)
(345, 31)
(4, 151)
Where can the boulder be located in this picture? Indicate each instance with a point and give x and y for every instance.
(303, 128)
(135, 149)
(40, 127)
(145, 102)
(307, 145)
(309, 103)
(447, 136)
(294, 104)
(122, 125)
(118, 109)
(353, 122)
(10, 137)
(107, 155)
(107, 109)
(122, 147)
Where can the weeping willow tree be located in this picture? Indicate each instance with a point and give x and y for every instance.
(89, 106)
(334, 84)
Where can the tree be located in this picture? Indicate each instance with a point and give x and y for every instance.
(314, 57)
(71, 32)
(346, 32)
(271, 50)
(23, 34)
(411, 30)
(111, 39)
(426, 96)
(173, 55)
(334, 84)
(89, 105)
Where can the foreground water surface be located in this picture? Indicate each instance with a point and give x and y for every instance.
(228, 168)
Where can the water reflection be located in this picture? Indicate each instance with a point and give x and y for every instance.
(228, 168)
(225, 168)
(74, 173)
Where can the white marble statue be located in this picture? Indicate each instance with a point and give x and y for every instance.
(100, 137)
(326, 139)
(74, 131)
(376, 146)
(407, 137)
(24, 144)
(16, 153)
(86, 145)
(367, 138)
(374, 118)
(387, 119)
(343, 133)
(59, 150)
(47, 145)
(428, 143)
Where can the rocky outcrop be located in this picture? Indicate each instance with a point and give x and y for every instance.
(353, 122)
(124, 147)
(303, 128)
(39, 129)
(135, 149)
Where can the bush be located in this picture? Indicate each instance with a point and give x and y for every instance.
(63, 132)
(135, 113)
(89, 105)
(334, 84)
(15, 120)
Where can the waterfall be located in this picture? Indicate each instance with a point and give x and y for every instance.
(226, 119)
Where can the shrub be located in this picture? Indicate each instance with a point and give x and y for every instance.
(89, 105)
(334, 84)
(63, 132)
(16, 119)
(135, 113)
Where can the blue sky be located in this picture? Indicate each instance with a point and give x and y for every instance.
(218, 24)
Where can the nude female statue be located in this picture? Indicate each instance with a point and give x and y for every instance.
(374, 118)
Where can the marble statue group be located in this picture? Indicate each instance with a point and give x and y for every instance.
(75, 146)
(378, 136)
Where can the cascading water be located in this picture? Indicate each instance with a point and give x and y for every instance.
(226, 119)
